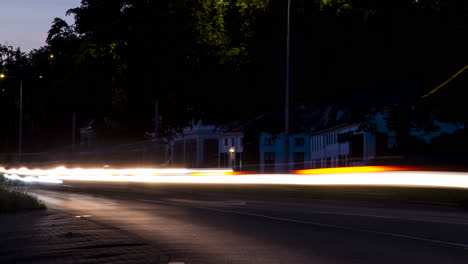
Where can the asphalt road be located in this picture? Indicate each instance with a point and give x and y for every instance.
(224, 224)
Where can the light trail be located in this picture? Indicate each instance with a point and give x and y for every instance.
(360, 169)
(379, 176)
(29, 179)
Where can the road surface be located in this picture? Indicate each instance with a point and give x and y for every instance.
(214, 224)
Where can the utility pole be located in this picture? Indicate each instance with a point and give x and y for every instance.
(20, 132)
(73, 131)
(288, 75)
(156, 119)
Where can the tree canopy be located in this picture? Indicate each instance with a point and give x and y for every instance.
(222, 60)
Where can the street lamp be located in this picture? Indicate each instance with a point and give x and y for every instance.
(20, 130)
(232, 156)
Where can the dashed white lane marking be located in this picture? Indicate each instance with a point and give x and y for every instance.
(395, 235)
(235, 202)
(83, 216)
(395, 218)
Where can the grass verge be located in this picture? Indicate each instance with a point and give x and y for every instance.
(14, 200)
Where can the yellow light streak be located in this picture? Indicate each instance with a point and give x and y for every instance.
(361, 169)
(211, 173)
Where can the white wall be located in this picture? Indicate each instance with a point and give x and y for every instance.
(334, 150)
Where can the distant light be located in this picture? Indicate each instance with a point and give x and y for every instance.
(41, 77)
(232, 150)
(2, 76)
(51, 56)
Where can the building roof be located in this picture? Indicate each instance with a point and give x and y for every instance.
(339, 127)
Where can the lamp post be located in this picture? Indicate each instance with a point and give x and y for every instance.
(20, 139)
(20, 130)
(288, 75)
(20, 125)
(232, 156)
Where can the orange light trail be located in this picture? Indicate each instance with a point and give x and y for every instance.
(360, 169)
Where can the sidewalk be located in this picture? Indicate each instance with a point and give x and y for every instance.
(55, 237)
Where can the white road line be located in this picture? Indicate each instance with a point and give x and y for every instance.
(235, 202)
(395, 235)
(394, 218)
(83, 216)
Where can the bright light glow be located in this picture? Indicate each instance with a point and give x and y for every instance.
(2, 76)
(362, 169)
(381, 176)
(30, 179)
(212, 173)
(114, 175)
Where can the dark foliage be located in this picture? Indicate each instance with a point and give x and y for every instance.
(120, 56)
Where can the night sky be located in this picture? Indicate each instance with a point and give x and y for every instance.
(25, 23)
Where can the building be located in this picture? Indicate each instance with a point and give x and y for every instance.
(346, 145)
(231, 147)
(207, 146)
(272, 152)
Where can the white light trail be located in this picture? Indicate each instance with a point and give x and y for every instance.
(29, 179)
(379, 178)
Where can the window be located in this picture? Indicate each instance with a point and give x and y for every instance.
(299, 160)
(226, 142)
(270, 141)
(299, 142)
(269, 163)
(270, 157)
(357, 146)
(233, 142)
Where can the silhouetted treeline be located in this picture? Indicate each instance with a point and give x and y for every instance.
(224, 60)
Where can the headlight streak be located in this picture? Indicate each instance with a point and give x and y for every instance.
(30, 179)
(379, 176)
